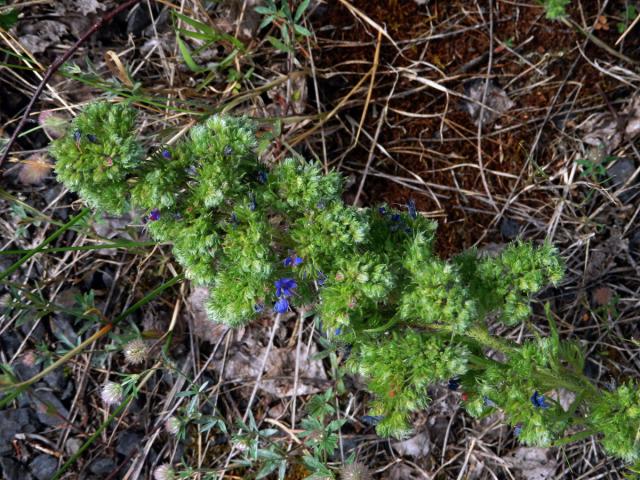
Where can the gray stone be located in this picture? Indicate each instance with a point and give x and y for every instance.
(509, 228)
(62, 329)
(12, 470)
(13, 421)
(43, 467)
(619, 173)
(128, 442)
(25, 369)
(10, 342)
(56, 380)
(102, 466)
(49, 410)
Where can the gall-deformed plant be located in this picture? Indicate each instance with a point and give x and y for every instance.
(274, 239)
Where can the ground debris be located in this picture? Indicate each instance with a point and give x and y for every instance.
(496, 101)
(533, 463)
(608, 130)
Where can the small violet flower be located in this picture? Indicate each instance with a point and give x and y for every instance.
(411, 208)
(382, 211)
(262, 177)
(488, 402)
(166, 153)
(77, 136)
(285, 287)
(454, 384)
(154, 215)
(281, 305)
(538, 400)
(292, 261)
(338, 331)
(92, 138)
(258, 307)
(321, 278)
(371, 420)
(517, 430)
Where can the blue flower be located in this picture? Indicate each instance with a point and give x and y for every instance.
(454, 384)
(262, 177)
(285, 287)
(371, 420)
(517, 430)
(338, 331)
(292, 260)
(382, 211)
(92, 138)
(166, 153)
(281, 305)
(411, 208)
(538, 400)
(321, 278)
(154, 215)
(488, 402)
(258, 307)
(77, 135)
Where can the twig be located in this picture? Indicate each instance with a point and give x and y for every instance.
(56, 65)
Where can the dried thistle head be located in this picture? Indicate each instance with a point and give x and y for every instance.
(135, 351)
(34, 170)
(172, 425)
(53, 125)
(111, 393)
(164, 472)
(355, 471)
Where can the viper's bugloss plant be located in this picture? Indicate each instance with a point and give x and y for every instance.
(273, 239)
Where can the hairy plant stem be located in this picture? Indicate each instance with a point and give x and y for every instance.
(549, 378)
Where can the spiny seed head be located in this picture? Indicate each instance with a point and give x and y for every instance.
(34, 170)
(355, 471)
(135, 352)
(164, 472)
(111, 393)
(172, 425)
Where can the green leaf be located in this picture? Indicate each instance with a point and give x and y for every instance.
(279, 45)
(9, 19)
(300, 10)
(302, 30)
(188, 59)
(264, 10)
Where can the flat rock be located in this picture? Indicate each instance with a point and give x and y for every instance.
(12, 470)
(43, 467)
(509, 228)
(102, 466)
(128, 442)
(619, 173)
(49, 410)
(13, 421)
